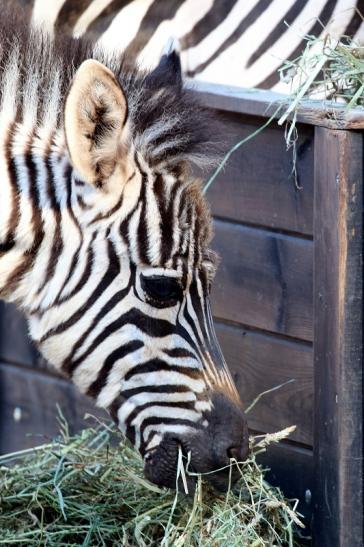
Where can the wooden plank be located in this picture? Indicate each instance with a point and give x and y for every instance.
(292, 470)
(257, 186)
(338, 348)
(259, 363)
(15, 344)
(259, 102)
(35, 396)
(264, 280)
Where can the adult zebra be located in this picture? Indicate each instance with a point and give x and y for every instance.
(104, 240)
(235, 42)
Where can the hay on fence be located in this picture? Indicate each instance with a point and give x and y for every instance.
(82, 490)
(328, 70)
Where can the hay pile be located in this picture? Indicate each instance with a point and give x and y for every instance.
(82, 490)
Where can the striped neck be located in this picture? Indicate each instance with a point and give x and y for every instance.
(35, 208)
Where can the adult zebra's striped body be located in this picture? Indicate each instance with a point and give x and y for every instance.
(233, 42)
(104, 242)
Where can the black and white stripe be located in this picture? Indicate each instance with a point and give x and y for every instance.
(80, 258)
(232, 42)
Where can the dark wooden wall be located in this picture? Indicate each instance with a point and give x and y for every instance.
(287, 303)
(262, 298)
(289, 298)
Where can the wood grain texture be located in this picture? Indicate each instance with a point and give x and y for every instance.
(258, 102)
(15, 344)
(257, 186)
(264, 280)
(36, 396)
(338, 350)
(259, 363)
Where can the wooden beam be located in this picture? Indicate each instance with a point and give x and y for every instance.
(28, 407)
(338, 323)
(15, 344)
(258, 102)
(259, 362)
(257, 186)
(264, 280)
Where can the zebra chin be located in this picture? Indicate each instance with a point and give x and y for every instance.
(209, 450)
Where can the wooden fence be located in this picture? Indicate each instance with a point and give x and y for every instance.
(287, 303)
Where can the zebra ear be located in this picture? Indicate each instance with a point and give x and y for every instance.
(168, 72)
(95, 115)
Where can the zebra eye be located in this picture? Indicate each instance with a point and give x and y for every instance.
(161, 291)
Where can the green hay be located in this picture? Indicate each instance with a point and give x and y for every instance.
(328, 70)
(84, 490)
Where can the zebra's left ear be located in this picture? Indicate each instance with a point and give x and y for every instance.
(168, 72)
(95, 115)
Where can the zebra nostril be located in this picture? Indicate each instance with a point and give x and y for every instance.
(237, 453)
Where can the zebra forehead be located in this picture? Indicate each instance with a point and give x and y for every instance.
(193, 212)
(184, 222)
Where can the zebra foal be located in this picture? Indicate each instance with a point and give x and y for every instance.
(104, 243)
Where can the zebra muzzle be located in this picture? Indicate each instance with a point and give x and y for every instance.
(210, 450)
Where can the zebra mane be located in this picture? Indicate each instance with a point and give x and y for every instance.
(166, 120)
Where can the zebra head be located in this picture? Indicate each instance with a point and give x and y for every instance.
(131, 325)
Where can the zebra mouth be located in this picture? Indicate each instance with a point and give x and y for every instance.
(162, 467)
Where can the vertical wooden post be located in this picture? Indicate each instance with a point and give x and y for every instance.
(338, 324)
